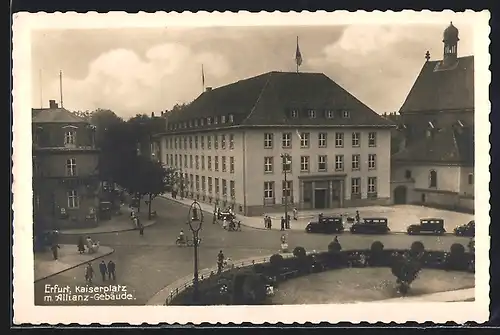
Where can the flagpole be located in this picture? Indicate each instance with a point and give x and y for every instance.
(296, 61)
(61, 87)
(202, 79)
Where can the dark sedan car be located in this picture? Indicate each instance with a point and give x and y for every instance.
(371, 226)
(468, 229)
(427, 226)
(326, 225)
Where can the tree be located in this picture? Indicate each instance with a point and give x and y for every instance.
(406, 267)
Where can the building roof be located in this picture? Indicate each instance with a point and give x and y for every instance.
(454, 145)
(438, 88)
(269, 98)
(54, 115)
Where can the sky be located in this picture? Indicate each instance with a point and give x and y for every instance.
(139, 71)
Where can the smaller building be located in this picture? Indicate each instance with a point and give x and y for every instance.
(65, 176)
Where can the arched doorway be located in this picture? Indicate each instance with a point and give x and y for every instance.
(400, 194)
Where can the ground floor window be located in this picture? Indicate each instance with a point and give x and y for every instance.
(73, 201)
(355, 186)
(269, 190)
(372, 186)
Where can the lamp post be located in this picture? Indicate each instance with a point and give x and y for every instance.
(286, 161)
(195, 220)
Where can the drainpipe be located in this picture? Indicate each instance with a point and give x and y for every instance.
(244, 173)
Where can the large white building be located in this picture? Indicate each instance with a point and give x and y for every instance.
(228, 144)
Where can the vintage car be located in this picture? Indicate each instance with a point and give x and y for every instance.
(326, 225)
(371, 226)
(468, 229)
(427, 226)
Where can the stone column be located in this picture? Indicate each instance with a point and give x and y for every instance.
(313, 195)
(341, 192)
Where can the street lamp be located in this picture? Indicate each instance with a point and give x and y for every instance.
(195, 220)
(286, 161)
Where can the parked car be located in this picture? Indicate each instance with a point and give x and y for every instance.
(427, 226)
(468, 229)
(105, 209)
(326, 225)
(371, 226)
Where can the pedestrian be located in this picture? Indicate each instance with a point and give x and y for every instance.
(141, 227)
(265, 222)
(81, 245)
(54, 249)
(320, 216)
(287, 221)
(135, 221)
(282, 223)
(295, 213)
(220, 262)
(89, 273)
(111, 270)
(269, 222)
(103, 269)
(357, 216)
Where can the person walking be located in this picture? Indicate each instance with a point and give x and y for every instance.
(81, 245)
(220, 262)
(269, 223)
(141, 227)
(265, 222)
(295, 213)
(54, 249)
(111, 270)
(287, 225)
(357, 217)
(282, 223)
(89, 273)
(103, 269)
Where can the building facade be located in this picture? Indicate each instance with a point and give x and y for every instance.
(435, 165)
(65, 177)
(279, 138)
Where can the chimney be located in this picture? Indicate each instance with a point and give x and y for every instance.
(208, 89)
(52, 104)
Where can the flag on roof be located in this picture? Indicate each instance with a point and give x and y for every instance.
(298, 55)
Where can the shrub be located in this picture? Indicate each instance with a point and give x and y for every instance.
(299, 252)
(276, 261)
(457, 250)
(405, 269)
(417, 248)
(377, 247)
(334, 246)
(377, 254)
(457, 259)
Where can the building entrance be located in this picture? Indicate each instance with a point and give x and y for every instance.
(320, 198)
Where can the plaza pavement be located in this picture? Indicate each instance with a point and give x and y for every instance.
(68, 258)
(467, 294)
(399, 216)
(117, 223)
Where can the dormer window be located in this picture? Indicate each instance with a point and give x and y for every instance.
(196, 122)
(311, 113)
(223, 119)
(231, 118)
(209, 120)
(216, 120)
(346, 114)
(329, 114)
(202, 122)
(185, 125)
(294, 113)
(69, 138)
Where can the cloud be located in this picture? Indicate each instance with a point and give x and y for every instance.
(127, 83)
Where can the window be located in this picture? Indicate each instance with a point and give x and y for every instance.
(224, 187)
(268, 189)
(217, 186)
(223, 119)
(372, 185)
(210, 185)
(470, 179)
(209, 163)
(304, 163)
(339, 162)
(216, 142)
(189, 123)
(73, 201)
(231, 164)
(322, 140)
(209, 142)
(203, 183)
(196, 142)
(69, 138)
(339, 140)
(232, 189)
(408, 174)
(203, 162)
(175, 142)
(223, 141)
(372, 139)
(355, 139)
(286, 140)
(268, 140)
(311, 113)
(202, 122)
(329, 114)
(197, 178)
(190, 161)
(216, 163)
(322, 163)
(223, 163)
(268, 164)
(71, 167)
(304, 140)
(216, 120)
(346, 114)
(372, 161)
(231, 118)
(294, 113)
(209, 120)
(355, 162)
(286, 163)
(231, 141)
(286, 190)
(197, 162)
(355, 186)
(432, 178)
(196, 122)
(186, 161)
(185, 143)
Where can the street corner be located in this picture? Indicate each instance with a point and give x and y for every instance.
(68, 258)
(119, 225)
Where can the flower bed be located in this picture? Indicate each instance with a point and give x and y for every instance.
(251, 284)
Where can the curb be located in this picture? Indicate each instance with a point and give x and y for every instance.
(74, 266)
(61, 232)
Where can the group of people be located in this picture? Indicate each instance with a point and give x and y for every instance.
(107, 271)
(228, 218)
(137, 222)
(92, 246)
(285, 222)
